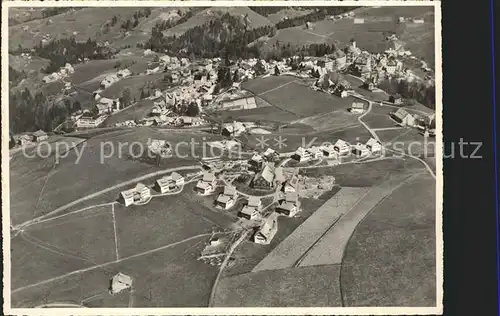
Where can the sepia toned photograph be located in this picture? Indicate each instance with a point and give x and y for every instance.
(204, 157)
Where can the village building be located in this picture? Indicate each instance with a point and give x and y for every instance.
(108, 81)
(340, 59)
(329, 151)
(241, 103)
(207, 184)
(391, 67)
(139, 193)
(249, 213)
(326, 63)
(342, 147)
(315, 152)
(120, 282)
(292, 184)
(267, 231)
(25, 140)
(270, 155)
(106, 105)
(357, 108)
(403, 117)
(88, 120)
(228, 198)
(124, 73)
(156, 110)
(288, 206)
(396, 99)
(264, 180)
(39, 136)
(374, 145)
(165, 185)
(301, 155)
(234, 129)
(361, 150)
(255, 202)
(256, 161)
(341, 88)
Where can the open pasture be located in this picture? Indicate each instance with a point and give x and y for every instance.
(391, 257)
(294, 287)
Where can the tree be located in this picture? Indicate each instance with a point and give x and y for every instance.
(76, 106)
(126, 98)
(276, 70)
(236, 76)
(192, 109)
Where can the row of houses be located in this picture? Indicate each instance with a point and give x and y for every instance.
(62, 73)
(340, 148)
(142, 193)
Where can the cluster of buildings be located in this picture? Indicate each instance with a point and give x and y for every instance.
(337, 150)
(28, 139)
(59, 75)
(427, 124)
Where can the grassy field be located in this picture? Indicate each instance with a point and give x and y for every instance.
(74, 178)
(135, 84)
(330, 248)
(289, 13)
(331, 121)
(134, 112)
(390, 260)
(303, 286)
(165, 273)
(294, 96)
(408, 140)
(260, 85)
(268, 114)
(287, 253)
(162, 221)
(86, 22)
(365, 174)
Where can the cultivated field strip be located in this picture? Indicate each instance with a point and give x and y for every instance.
(330, 249)
(286, 254)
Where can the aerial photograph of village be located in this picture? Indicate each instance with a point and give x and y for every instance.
(240, 156)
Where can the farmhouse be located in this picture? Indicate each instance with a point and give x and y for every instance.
(289, 205)
(87, 120)
(418, 21)
(326, 63)
(342, 147)
(265, 179)
(361, 150)
(227, 199)
(359, 21)
(357, 108)
(391, 66)
(249, 213)
(403, 117)
(207, 184)
(267, 231)
(39, 136)
(120, 282)
(396, 99)
(373, 145)
(241, 103)
(301, 155)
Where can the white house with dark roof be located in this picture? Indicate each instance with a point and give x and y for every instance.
(291, 184)
(360, 150)
(374, 145)
(228, 198)
(342, 147)
(288, 206)
(249, 213)
(315, 152)
(39, 136)
(403, 117)
(120, 282)
(267, 231)
(357, 108)
(207, 184)
(302, 155)
(139, 193)
(329, 151)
